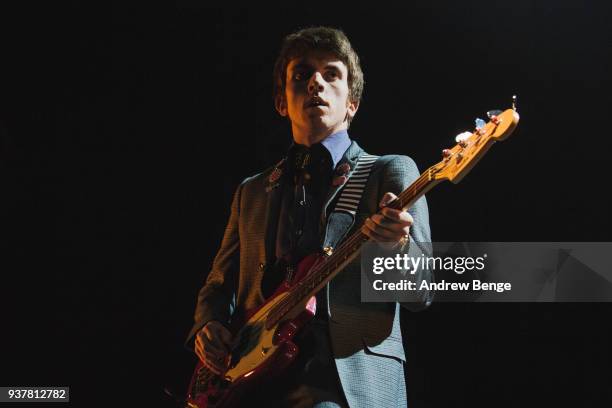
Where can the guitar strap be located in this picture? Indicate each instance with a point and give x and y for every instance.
(342, 216)
(353, 189)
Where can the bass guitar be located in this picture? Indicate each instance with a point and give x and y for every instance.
(263, 343)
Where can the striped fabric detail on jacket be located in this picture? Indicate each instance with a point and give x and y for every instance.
(353, 189)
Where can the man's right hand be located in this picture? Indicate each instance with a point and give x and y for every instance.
(212, 346)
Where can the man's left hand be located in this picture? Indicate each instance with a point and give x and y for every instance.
(390, 228)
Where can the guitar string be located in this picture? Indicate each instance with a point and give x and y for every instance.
(410, 193)
(356, 239)
(352, 244)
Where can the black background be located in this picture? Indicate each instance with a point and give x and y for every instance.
(125, 130)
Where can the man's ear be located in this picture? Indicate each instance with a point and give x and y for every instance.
(280, 103)
(352, 108)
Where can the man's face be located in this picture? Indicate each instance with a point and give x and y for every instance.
(316, 95)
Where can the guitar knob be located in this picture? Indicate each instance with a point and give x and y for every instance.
(446, 153)
(459, 157)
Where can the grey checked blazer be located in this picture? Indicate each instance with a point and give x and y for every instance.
(366, 337)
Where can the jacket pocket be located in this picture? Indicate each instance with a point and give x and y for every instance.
(390, 347)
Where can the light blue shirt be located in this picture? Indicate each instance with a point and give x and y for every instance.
(336, 144)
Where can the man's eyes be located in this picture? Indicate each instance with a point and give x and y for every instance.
(303, 76)
(329, 75)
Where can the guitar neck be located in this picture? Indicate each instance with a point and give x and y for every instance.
(346, 252)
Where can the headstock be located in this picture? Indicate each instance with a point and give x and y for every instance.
(470, 147)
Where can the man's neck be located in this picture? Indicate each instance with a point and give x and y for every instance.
(311, 137)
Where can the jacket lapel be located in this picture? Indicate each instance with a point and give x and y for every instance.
(350, 157)
(274, 188)
(338, 223)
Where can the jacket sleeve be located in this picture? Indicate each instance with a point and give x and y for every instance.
(399, 173)
(216, 299)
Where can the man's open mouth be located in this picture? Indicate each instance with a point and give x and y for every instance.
(315, 101)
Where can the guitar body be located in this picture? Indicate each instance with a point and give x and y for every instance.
(258, 352)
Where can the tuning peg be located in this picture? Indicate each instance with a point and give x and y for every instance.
(494, 115)
(446, 153)
(480, 126)
(494, 112)
(462, 137)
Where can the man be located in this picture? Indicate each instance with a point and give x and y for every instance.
(352, 352)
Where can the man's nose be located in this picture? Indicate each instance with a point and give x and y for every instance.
(316, 83)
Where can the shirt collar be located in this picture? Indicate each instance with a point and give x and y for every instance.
(337, 144)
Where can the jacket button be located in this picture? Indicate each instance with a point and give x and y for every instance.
(262, 266)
